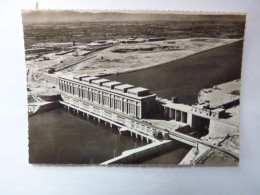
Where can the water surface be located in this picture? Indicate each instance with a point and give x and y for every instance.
(59, 136)
(185, 77)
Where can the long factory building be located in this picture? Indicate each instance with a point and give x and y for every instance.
(127, 99)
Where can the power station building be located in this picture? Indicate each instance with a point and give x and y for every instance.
(126, 99)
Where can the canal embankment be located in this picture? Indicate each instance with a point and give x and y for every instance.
(146, 55)
(140, 68)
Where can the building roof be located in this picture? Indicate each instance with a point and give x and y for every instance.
(178, 106)
(199, 106)
(83, 75)
(80, 77)
(108, 83)
(124, 86)
(98, 81)
(69, 77)
(111, 83)
(137, 89)
(89, 78)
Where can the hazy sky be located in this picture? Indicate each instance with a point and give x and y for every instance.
(74, 16)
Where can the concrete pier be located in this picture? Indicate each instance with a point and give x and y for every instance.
(141, 152)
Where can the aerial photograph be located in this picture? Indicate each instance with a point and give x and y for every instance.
(146, 88)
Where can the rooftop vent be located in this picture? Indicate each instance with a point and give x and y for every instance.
(174, 99)
(99, 82)
(80, 77)
(123, 88)
(89, 79)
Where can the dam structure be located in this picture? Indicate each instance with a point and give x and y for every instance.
(129, 108)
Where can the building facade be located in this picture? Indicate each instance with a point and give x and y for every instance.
(126, 99)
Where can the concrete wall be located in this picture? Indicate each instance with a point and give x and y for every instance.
(189, 119)
(221, 129)
(48, 106)
(133, 155)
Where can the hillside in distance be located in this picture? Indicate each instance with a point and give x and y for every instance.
(68, 16)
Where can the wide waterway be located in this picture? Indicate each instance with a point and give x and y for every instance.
(185, 77)
(58, 136)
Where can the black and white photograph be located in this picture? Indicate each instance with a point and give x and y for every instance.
(146, 88)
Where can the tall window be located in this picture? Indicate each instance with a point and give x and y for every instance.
(105, 100)
(90, 96)
(84, 93)
(118, 104)
(66, 88)
(125, 107)
(138, 111)
(95, 97)
(76, 91)
(61, 87)
(112, 102)
(71, 89)
(80, 92)
(132, 109)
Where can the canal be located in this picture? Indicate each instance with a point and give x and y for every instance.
(185, 77)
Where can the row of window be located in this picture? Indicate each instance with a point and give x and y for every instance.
(104, 99)
(178, 115)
